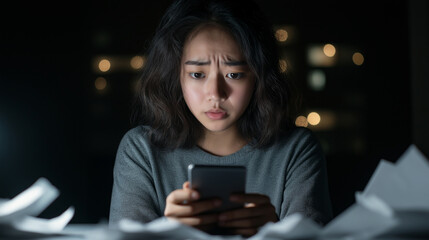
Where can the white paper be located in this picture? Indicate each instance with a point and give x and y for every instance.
(413, 168)
(295, 226)
(30, 202)
(40, 225)
(18, 215)
(164, 228)
(394, 203)
(404, 185)
(361, 220)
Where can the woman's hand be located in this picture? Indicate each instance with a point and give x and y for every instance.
(257, 211)
(183, 205)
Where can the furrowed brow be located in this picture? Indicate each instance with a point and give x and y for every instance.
(197, 63)
(235, 63)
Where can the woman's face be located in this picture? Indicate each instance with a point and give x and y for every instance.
(216, 81)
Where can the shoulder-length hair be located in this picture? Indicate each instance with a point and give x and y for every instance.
(159, 102)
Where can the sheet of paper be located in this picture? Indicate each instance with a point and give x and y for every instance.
(388, 185)
(164, 228)
(40, 225)
(295, 226)
(30, 202)
(18, 215)
(360, 221)
(395, 201)
(413, 167)
(403, 186)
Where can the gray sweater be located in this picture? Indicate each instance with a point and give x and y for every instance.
(292, 172)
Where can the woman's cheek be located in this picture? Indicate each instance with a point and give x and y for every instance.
(192, 96)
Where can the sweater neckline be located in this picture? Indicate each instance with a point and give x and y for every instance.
(234, 158)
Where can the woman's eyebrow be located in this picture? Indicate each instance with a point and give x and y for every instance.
(197, 63)
(235, 63)
(228, 63)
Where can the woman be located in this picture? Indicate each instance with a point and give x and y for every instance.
(211, 93)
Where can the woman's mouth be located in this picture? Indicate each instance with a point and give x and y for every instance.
(216, 115)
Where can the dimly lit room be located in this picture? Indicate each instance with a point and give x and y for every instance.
(70, 71)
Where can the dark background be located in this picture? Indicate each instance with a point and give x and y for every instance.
(55, 124)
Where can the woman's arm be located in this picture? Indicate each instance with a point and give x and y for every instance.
(306, 189)
(133, 193)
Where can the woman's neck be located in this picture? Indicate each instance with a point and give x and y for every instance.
(222, 143)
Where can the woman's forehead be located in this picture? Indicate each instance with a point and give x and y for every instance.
(212, 39)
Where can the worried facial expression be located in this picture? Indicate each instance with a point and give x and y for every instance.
(217, 83)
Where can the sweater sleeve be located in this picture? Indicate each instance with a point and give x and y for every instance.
(133, 193)
(306, 189)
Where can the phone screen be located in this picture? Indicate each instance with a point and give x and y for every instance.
(218, 182)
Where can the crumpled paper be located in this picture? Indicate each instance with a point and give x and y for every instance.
(18, 216)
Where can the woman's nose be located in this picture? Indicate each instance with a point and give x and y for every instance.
(215, 88)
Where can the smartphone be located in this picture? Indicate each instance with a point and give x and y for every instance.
(218, 182)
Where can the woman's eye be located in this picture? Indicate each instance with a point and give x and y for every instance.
(197, 75)
(234, 75)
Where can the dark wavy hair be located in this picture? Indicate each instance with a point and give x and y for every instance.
(159, 102)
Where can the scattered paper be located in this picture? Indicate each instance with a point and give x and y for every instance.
(18, 215)
(295, 226)
(361, 220)
(403, 185)
(31, 202)
(39, 225)
(163, 228)
(395, 202)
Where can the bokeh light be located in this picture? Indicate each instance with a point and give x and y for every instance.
(282, 65)
(137, 62)
(313, 118)
(329, 50)
(317, 80)
(281, 35)
(317, 58)
(301, 121)
(104, 65)
(100, 83)
(358, 58)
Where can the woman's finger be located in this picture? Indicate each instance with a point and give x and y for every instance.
(191, 209)
(199, 220)
(181, 195)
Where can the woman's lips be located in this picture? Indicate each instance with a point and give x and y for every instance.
(216, 115)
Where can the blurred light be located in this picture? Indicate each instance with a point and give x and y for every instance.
(329, 50)
(317, 80)
(104, 65)
(330, 120)
(281, 35)
(282, 65)
(100, 83)
(358, 58)
(317, 58)
(301, 121)
(313, 118)
(137, 62)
